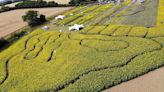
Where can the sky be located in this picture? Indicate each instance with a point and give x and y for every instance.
(2, 0)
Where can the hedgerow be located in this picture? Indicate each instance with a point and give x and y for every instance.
(138, 31)
(69, 19)
(93, 14)
(122, 31)
(110, 29)
(84, 19)
(74, 11)
(86, 29)
(76, 16)
(96, 29)
(156, 31)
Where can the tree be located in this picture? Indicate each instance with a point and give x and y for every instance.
(42, 18)
(78, 2)
(33, 18)
(3, 43)
(52, 3)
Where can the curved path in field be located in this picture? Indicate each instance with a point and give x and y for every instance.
(151, 82)
(73, 81)
(34, 46)
(82, 40)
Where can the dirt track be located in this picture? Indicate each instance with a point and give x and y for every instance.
(12, 20)
(151, 82)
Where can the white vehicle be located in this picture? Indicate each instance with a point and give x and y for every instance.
(45, 28)
(60, 17)
(76, 27)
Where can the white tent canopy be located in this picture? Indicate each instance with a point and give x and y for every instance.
(76, 27)
(60, 17)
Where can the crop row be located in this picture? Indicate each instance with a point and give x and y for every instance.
(160, 17)
(93, 14)
(107, 17)
(74, 11)
(78, 15)
(125, 30)
(85, 14)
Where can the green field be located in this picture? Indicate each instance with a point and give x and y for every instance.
(96, 58)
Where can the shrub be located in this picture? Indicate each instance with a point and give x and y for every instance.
(3, 43)
(138, 31)
(110, 30)
(97, 29)
(52, 3)
(76, 2)
(32, 18)
(122, 31)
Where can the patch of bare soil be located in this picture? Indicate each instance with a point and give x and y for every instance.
(12, 21)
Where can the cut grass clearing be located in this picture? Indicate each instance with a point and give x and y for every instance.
(135, 14)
